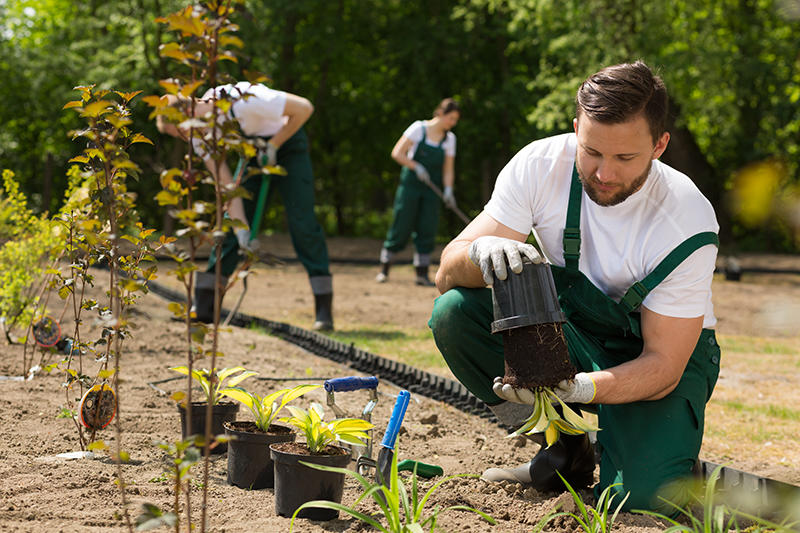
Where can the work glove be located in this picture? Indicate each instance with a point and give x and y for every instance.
(269, 155)
(580, 389)
(449, 198)
(422, 174)
(245, 243)
(489, 253)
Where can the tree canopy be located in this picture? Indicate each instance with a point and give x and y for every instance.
(371, 67)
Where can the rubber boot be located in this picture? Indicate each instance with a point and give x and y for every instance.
(383, 275)
(571, 455)
(203, 306)
(323, 310)
(422, 277)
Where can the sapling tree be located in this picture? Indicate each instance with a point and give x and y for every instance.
(110, 220)
(205, 37)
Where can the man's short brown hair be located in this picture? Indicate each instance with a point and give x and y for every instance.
(618, 93)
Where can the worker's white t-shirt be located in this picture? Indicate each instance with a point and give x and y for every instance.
(257, 108)
(414, 133)
(620, 244)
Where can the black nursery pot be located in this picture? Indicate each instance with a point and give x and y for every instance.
(221, 413)
(250, 465)
(296, 484)
(526, 298)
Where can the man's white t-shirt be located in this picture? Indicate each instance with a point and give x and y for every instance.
(414, 133)
(257, 108)
(620, 244)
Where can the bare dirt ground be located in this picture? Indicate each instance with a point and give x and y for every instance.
(40, 492)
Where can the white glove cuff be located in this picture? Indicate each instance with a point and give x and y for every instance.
(585, 389)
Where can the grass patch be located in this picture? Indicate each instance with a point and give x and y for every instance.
(770, 410)
(743, 344)
(411, 346)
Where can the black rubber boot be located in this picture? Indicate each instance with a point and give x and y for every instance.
(323, 309)
(383, 275)
(203, 305)
(571, 455)
(422, 277)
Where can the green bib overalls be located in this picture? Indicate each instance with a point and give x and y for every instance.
(644, 444)
(416, 206)
(297, 191)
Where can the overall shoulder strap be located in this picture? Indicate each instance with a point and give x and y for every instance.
(572, 229)
(639, 290)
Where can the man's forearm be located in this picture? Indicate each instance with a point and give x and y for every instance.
(648, 377)
(455, 268)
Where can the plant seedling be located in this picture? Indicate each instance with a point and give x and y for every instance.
(266, 409)
(391, 500)
(203, 377)
(320, 434)
(591, 519)
(546, 418)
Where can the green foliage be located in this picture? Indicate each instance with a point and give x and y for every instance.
(718, 514)
(320, 434)
(213, 385)
(266, 409)
(29, 243)
(591, 519)
(393, 501)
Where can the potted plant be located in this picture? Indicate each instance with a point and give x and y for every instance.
(528, 315)
(221, 411)
(296, 483)
(249, 463)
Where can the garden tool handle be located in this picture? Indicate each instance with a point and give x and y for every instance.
(396, 420)
(350, 383)
(423, 469)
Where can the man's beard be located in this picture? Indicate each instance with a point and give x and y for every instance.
(589, 185)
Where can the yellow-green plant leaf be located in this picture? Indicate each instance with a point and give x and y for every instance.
(105, 374)
(95, 109)
(96, 445)
(551, 434)
(69, 105)
(178, 396)
(241, 377)
(139, 138)
(247, 399)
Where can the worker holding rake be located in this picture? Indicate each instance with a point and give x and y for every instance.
(273, 121)
(426, 151)
(632, 245)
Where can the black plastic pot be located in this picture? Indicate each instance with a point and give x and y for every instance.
(296, 484)
(526, 298)
(221, 413)
(249, 462)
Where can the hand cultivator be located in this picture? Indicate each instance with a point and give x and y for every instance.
(354, 383)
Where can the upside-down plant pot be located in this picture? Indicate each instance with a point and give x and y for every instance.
(528, 315)
(221, 413)
(296, 484)
(250, 465)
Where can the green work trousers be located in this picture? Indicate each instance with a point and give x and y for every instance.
(416, 214)
(296, 189)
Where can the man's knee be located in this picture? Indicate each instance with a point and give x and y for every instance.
(448, 312)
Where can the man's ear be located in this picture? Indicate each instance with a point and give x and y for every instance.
(661, 145)
(575, 124)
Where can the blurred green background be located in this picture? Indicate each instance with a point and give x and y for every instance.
(371, 67)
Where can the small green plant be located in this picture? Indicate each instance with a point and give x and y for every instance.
(266, 409)
(233, 375)
(591, 519)
(717, 516)
(320, 434)
(392, 500)
(546, 418)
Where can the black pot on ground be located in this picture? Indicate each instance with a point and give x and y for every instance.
(527, 313)
(296, 484)
(221, 413)
(250, 465)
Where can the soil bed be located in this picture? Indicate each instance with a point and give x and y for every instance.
(43, 493)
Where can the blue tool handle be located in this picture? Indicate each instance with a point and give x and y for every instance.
(350, 383)
(396, 420)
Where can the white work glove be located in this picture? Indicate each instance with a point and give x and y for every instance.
(269, 156)
(243, 236)
(449, 198)
(422, 174)
(580, 389)
(489, 253)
